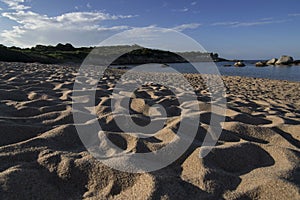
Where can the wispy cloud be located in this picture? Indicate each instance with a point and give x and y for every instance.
(88, 5)
(183, 27)
(294, 15)
(266, 19)
(181, 10)
(259, 23)
(224, 23)
(263, 21)
(194, 3)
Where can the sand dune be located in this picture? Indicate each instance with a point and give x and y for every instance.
(42, 157)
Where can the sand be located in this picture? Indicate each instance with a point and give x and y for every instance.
(42, 156)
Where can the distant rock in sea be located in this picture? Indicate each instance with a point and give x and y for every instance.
(272, 61)
(261, 64)
(285, 60)
(239, 64)
(297, 62)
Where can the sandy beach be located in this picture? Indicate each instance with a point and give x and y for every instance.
(42, 157)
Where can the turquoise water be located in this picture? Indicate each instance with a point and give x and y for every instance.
(290, 73)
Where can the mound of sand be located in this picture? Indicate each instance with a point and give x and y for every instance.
(42, 156)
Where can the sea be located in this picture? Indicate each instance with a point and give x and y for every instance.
(289, 73)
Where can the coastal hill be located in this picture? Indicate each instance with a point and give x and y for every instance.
(67, 53)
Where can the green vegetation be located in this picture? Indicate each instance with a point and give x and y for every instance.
(44, 54)
(66, 53)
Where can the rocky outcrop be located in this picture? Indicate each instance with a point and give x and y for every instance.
(261, 64)
(239, 64)
(297, 62)
(272, 61)
(285, 60)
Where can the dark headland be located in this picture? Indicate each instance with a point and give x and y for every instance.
(67, 53)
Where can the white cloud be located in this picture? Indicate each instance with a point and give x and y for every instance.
(79, 28)
(186, 26)
(194, 3)
(258, 23)
(16, 4)
(224, 23)
(86, 17)
(79, 37)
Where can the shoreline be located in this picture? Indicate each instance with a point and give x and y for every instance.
(122, 67)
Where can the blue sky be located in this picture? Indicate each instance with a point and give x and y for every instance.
(253, 29)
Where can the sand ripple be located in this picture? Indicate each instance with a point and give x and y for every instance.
(42, 157)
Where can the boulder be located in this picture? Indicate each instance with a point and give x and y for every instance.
(285, 60)
(260, 64)
(239, 64)
(297, 62)
(272, 61)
